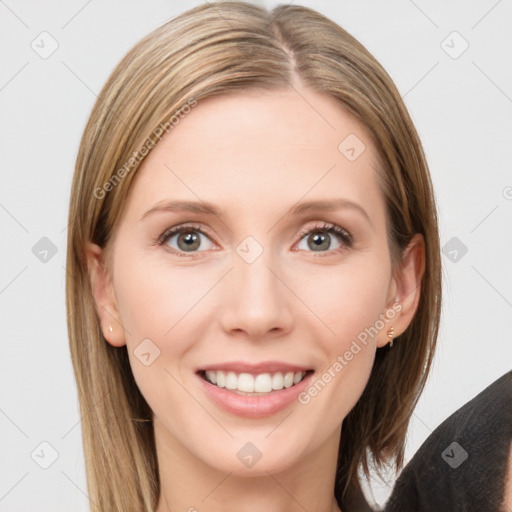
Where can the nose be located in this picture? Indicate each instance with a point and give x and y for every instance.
(257, 300)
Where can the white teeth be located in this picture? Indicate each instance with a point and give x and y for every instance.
(212, 377)
(288, 380)
(248, 383)
(263, 383)
(221, 379)
(231, 380)
(277, 381)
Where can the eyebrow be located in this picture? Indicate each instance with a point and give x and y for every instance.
(206, 208)
(184, 206)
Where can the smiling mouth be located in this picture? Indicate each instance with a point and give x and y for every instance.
(253, 384)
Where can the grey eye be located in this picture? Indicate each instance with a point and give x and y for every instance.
(319, 241)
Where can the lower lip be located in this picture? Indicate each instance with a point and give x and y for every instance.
(254, 406)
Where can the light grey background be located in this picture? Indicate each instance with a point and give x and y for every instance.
(461, 105)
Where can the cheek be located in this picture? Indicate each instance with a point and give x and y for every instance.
(154, 298)
(161, 308)
(351, 302)
(348, 298)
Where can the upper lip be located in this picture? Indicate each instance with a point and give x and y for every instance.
(255, 368)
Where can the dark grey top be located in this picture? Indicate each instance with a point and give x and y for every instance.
(461, 467)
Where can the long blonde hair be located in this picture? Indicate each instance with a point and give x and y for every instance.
(218, 48)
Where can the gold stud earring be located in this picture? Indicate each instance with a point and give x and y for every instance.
(391, 335)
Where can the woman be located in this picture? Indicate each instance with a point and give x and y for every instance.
(220, 362)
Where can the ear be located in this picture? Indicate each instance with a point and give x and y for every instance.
(405, 289)
(104, 297)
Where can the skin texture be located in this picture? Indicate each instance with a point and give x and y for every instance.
(255, 156)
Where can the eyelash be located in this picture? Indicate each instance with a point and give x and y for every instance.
(345, 237)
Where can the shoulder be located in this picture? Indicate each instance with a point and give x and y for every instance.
(463, 464)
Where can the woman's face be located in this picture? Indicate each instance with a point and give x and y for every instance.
(259, 292)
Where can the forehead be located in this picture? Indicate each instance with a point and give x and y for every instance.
(251, 149)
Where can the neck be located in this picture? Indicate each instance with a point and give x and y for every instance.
(187, 483)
